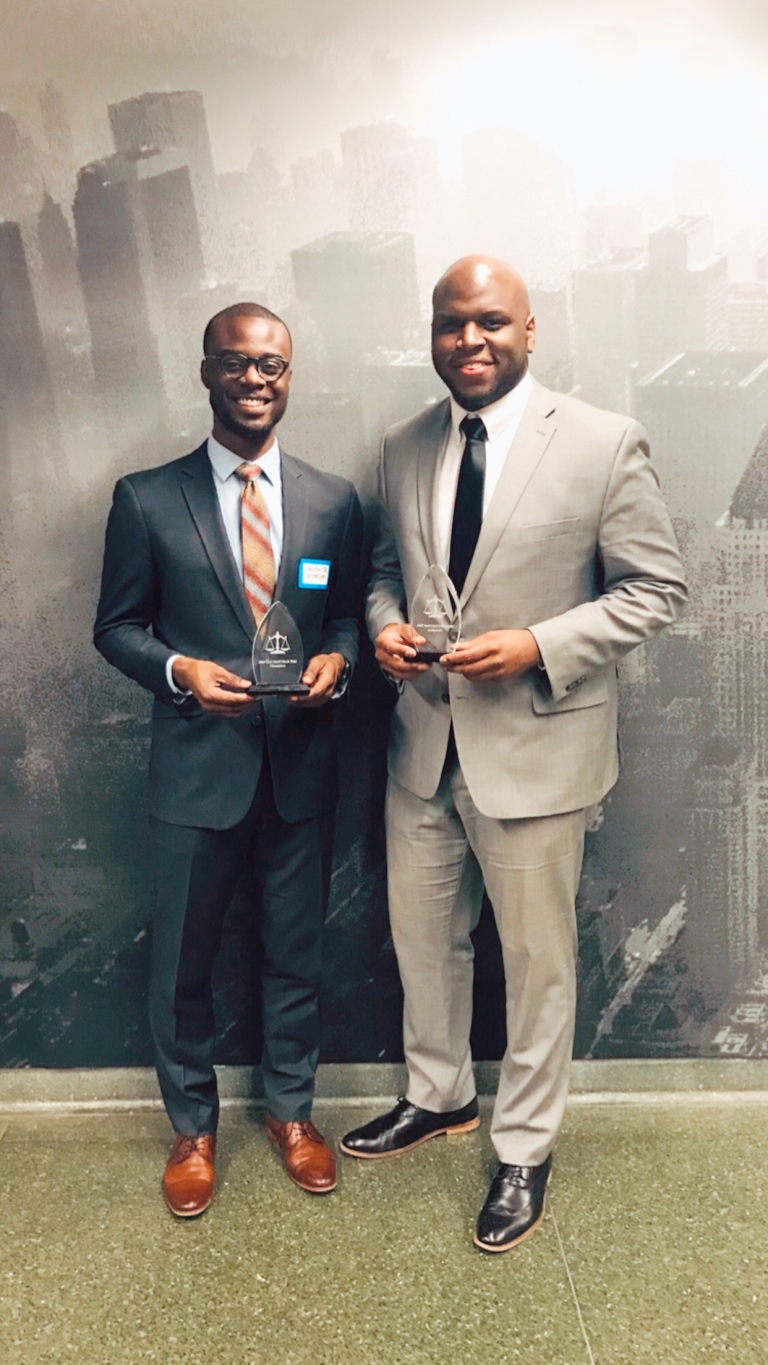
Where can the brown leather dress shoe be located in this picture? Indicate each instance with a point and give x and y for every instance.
(188, 1179)
(308, 1159)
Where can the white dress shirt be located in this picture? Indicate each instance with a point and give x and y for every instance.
(501, 420)
(228, 491)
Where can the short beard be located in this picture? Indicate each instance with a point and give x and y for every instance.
(228, 420)
(474, 403)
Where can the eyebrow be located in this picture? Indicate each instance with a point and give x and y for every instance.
(439, 316)
(247, 356)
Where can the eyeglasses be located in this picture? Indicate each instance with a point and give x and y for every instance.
(235, 365)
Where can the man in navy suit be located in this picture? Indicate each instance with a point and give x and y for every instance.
(232, 778)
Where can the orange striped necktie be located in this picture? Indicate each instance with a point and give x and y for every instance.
(258, 559)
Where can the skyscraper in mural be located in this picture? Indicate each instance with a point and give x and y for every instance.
(682, 294)
(115, 262)
(362, 289)
(605, 327)
(159, 120)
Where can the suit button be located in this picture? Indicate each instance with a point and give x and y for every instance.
(446, 697)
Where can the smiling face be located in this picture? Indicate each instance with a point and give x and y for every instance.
(482, 330)
(246, 410)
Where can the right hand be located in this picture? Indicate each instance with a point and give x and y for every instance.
(396, 651)
(205, 680)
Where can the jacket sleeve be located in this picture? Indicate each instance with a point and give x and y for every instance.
(341, 626)
(128, 600)
(643, 588)
(386, 593)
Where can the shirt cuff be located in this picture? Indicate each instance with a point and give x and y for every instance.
(178, 695)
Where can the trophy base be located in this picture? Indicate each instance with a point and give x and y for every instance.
(429, 656)
(297, 689)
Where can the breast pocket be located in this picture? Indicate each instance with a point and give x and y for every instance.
(547, 530)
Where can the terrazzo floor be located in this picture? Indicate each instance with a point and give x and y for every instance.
(654, 1248)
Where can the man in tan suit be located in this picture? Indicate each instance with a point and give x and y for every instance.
(548, 517)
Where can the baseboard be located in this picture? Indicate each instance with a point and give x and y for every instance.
(36, 1089)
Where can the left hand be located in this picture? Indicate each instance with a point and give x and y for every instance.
(495, 654)
(322, 673)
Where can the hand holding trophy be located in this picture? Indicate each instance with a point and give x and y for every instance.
(436, 614)
(278, 656)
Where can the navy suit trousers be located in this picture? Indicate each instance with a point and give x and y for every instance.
(196, 874)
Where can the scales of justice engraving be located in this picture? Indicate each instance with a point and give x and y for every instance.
(277, 644)
(436, 610)
(436, 614)
(278, 656)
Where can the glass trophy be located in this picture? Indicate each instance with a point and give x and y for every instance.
(278, 656)
(436, 614)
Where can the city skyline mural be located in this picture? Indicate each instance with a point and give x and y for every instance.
(330, 161)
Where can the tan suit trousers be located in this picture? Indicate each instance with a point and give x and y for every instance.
(440, 852)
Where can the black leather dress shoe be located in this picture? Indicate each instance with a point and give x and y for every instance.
(407, 1126)
(514, 1207)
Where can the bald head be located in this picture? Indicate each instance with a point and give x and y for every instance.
(482, 330)
(473, 273)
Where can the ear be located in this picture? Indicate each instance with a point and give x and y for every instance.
(530, 332)
(204, 372)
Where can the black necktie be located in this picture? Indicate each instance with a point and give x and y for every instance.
(468, 508)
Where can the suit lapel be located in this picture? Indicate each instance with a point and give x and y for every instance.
(537, 427)
(431, 443)
(199, 492)
(295, 512)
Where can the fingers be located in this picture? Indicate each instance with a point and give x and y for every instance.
(478, 671)
(223, 675)
(473, 659)
(465, 655)
(217, 690)
(322, 675)
(313, 673)
(229, 682)
(399, 641)
(409, 637)
(400, 668)
(395, 651)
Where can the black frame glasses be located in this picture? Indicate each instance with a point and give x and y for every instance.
(234, 365)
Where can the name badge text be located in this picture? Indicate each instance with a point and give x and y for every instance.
(314, 573)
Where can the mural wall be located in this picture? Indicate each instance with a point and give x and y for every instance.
(330, 159)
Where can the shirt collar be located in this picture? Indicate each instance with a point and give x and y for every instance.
(225, 462)
(496, 416)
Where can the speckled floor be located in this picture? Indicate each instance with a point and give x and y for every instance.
(655, 1248)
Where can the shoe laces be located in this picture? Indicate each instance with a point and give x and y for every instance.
(303, 1128)
(515, 1175)
(187, 1146)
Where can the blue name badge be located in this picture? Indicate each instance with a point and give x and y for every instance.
(314, 573)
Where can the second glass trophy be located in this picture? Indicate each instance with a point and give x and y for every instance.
(278, 656)
(436, 614)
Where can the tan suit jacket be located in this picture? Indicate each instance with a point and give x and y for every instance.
(576, 545)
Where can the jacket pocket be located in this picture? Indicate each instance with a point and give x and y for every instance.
(546, 530)
(592, 692)
(187, 709)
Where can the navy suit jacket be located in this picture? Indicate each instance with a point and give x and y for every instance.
(170, 585)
